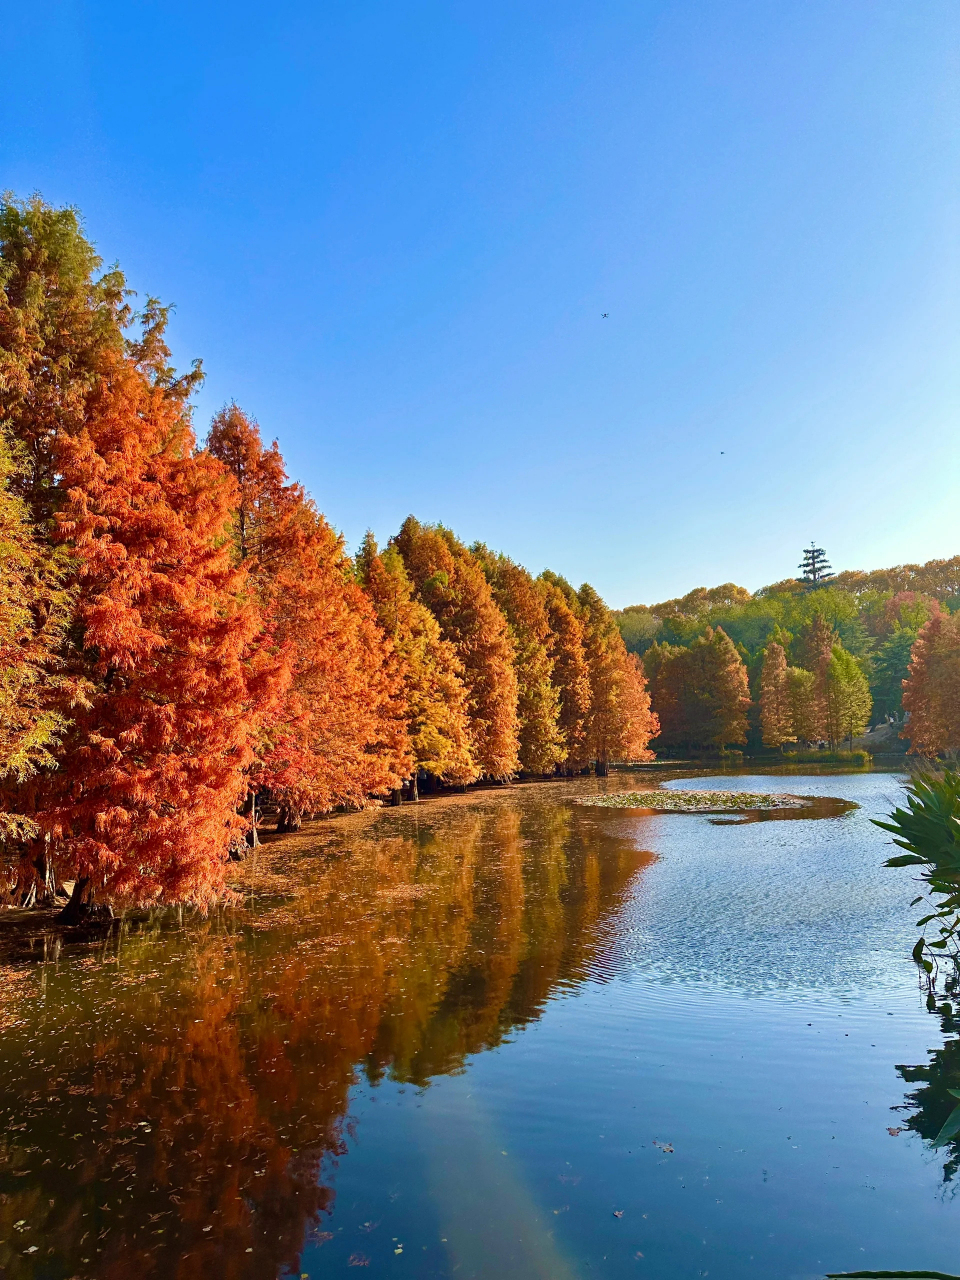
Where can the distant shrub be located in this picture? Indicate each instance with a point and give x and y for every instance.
(828, 757)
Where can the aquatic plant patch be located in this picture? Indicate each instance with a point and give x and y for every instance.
(698, 801)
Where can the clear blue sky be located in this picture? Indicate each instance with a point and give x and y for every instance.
(390, 231)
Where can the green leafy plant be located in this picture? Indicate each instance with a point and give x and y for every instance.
(929, 830)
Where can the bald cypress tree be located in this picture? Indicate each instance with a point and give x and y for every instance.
(337, 733)
(452, 585)
(776, 712)
(725, 690)
(667, 671)
(161, 647)
(431, 674)
(806, 704)
(931, 691)
(541, 744)
(621, 722)
(701, 693)
(571, 672)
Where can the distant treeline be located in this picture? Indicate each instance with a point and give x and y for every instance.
(825, 660)
(183, 635)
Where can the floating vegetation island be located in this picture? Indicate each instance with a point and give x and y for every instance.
(699, 801)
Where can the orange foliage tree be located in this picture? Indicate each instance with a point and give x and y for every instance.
(538, 699)
(143, 803)
(571, 672)
(931, 691)
(665, 673)
(338, 734)
(431, 674)
(776, 708)
(158, 670)
(452, 585)
(620, 723)
(701, 693)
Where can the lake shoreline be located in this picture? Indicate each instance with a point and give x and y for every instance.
(269, 869)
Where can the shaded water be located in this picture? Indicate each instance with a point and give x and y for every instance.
(499, 1037)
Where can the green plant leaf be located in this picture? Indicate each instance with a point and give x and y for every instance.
(951, 1128)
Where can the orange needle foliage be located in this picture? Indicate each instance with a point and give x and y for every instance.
(776, 708)
(701, 693)
(58, 324)
(571, 672)
(621, 723)
(434, 694)
(931, 691)
(143, 801)
(538, 699)
(451, 584)
(339, 734)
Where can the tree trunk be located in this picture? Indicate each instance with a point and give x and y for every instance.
(396, 796)
(72, 913)
(253, 835)
(45, 888)
(601, 768)
(289, 819)
(414, 792)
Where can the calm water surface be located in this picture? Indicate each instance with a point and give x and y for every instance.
(503, 1036)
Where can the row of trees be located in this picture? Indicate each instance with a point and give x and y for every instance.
(830, 701)
(181, 630)
(876, 619)
(706, 693)
(822, 656)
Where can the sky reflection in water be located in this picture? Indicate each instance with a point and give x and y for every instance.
(514, 1038)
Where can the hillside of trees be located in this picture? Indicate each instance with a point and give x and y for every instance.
(184, 636)
(817, 658)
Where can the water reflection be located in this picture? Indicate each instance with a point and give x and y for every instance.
(819, 807)
(169, 1096)
(933, 1109)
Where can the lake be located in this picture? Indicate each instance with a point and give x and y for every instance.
(496, 1035)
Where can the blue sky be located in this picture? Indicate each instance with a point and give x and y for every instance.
(390, 232)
